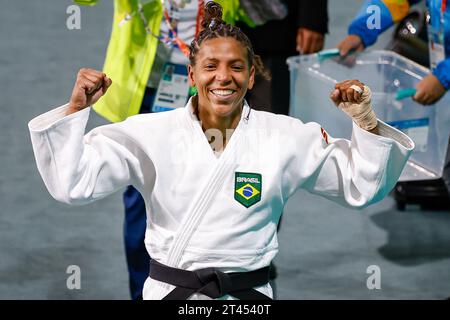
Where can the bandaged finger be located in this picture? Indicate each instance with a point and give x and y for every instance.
(362, 112)
(356, 88)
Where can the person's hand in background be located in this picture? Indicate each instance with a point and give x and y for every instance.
(351, 42)
(309, 41)
(429, 90)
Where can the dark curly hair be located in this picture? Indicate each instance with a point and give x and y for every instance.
(214, 27)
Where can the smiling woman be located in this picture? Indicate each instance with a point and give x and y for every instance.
(222, 68)
(222, 78)
(213, 209)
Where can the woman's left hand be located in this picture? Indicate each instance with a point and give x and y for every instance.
(354, 98)
(347, 91)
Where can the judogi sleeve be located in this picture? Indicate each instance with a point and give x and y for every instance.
(78, 168)
(353, 173)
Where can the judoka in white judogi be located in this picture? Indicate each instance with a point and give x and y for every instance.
(215, 212)
(208, 211)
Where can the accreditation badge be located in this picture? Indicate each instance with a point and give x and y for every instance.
(173, 88)
(436, 46)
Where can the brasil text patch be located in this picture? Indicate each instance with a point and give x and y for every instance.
(247, 188)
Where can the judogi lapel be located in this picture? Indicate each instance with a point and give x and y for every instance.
(225, 165)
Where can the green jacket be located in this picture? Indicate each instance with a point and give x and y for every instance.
(131, 53)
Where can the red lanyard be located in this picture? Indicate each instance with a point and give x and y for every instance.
(180, 43)
(442, 17)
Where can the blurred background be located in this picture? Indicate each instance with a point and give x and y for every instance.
(325, 250)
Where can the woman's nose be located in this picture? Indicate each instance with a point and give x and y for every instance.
(223, 75)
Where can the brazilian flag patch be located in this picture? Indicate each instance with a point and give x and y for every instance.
(247, 188)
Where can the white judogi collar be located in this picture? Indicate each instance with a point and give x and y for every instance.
(190, 111)
(195, 124)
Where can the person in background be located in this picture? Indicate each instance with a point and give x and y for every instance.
(437, 83)
(299, 27)
(434, 86)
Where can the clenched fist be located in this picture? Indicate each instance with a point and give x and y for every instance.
(354, 98)
(89, 87)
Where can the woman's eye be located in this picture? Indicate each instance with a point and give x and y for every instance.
(237, 68)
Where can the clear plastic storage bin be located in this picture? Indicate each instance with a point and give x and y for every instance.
(385, 72)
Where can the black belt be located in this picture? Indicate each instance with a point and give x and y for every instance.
(210, 282)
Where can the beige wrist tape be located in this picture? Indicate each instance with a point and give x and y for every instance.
(362, 112)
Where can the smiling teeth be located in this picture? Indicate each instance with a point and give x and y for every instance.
(222, 92)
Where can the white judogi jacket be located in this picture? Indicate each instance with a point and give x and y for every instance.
(200, 211)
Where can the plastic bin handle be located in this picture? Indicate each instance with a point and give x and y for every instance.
(405, 93)
(329, 53)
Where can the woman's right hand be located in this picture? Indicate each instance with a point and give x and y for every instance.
(89, 87)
